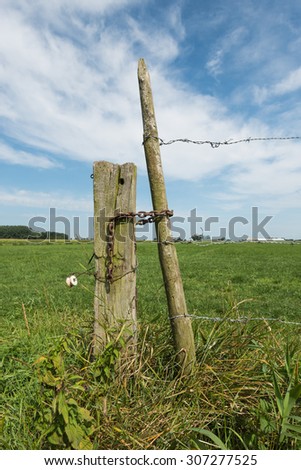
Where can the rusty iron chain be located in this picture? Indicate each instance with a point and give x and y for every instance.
(144, 218)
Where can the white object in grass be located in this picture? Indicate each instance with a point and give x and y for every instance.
(71, 281)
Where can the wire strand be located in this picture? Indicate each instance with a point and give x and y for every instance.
(237, 320)
(216, 144)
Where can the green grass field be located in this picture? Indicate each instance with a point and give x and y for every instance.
(244, 392)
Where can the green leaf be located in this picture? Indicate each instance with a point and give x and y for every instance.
(78, 387)
(296, 418)
(85, 444)
(55, 439)
(57, 361)
(85, 414)
(66, 346)
(49, 379)
(116, 352)
(295, 428)
(76, 377)
(290, 400)
(63, 407)
(296, 392)
(39, 360)
(278, 395)
(2, 423)
(75, 435)
(213, 437)
(72, 402)
(47, 415)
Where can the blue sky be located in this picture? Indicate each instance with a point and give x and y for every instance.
(219, 69)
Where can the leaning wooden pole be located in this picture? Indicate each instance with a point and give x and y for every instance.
(180, 321)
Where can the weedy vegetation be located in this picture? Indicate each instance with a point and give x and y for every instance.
(244, 392)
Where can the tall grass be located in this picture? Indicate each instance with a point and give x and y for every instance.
(244, 390)
(243, 394)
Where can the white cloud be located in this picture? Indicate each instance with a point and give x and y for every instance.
(19, 157)
(163, 48)
(55, 99)
(229, 42)
(214, 65)
(73, 101)
(61, 6)
(40, 199)
(289, 84)
(71, 90)
(175, 20)
(271, 179)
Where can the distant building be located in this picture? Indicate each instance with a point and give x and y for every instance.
(262, 239)
(217, 239)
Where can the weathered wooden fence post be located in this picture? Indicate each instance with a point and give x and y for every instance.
(114, 251)
(180, 321)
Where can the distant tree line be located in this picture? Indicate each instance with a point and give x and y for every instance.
(197, 237)
(24, 232)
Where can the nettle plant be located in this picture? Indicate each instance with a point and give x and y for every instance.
(67, 375)
(60, 419)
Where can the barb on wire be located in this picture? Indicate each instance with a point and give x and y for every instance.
(216, 144)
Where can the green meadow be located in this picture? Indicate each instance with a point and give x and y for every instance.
(245, 302)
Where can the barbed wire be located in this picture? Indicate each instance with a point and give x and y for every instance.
(237, 320)
(231, 242)
(216, 144)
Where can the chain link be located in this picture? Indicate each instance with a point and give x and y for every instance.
(145, 218)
